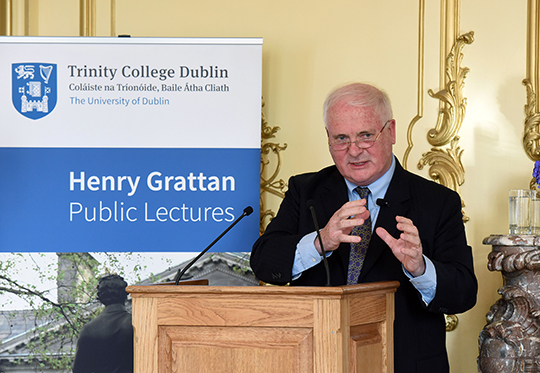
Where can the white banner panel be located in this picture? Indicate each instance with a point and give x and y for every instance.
(128, 144)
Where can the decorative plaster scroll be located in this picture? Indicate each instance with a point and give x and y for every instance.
(454, 104)
(271, 184)
(531, 134)
(446, 167)
(531, 131)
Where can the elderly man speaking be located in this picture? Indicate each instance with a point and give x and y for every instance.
(380, 223)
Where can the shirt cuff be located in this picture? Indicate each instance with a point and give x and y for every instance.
(306, 255)
(427, 283)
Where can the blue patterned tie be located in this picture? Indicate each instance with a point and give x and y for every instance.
(358, 250)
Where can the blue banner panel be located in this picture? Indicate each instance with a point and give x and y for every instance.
(127, 199)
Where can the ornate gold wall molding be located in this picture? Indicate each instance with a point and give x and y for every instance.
(420, 83)
(272, 184)
(88, 17)
(14, 17)
(113, 18)
(531, 133)
(446, 166)
(452, 102)
(6, 17)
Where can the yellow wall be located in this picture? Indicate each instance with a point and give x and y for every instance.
(312, 46)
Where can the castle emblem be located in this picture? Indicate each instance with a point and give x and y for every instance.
(34, 88)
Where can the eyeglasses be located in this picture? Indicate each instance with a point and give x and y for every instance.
(364, 141)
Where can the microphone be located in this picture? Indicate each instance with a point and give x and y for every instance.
(247, 211)
(323, 255)
(382, 202)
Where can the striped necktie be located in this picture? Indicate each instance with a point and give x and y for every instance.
(358, 250)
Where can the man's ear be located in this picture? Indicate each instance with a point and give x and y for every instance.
(392, 129)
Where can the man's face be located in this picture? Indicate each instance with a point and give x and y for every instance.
(360, 166)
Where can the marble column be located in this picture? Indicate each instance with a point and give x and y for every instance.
(510, 342)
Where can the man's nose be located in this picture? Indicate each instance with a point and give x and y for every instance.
(354, 149)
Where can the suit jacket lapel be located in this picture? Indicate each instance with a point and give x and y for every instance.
(397, 196)
(333, 196)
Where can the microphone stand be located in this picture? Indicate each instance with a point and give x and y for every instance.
(247, 211)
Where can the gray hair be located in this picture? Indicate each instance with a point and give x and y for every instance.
(360, 95)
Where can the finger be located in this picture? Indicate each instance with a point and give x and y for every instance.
(409, 231)
(347, 238)
(413, 252)
(346, 226)
(403, 219)
(349, 216)
(406, 225)
(411, 239)
(386, 237)
(350, 209)
(351, 223)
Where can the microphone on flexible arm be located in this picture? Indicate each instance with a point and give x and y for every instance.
(247, 211)
(310, 203)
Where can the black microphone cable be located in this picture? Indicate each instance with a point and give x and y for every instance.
(323, 255)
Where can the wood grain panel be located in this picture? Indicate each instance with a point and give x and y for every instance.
(145, 334)
(366, 346)
(331, 329)
(229, 311)
(235, 349)
(368, 309)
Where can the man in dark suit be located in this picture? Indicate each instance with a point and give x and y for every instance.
(414, 231)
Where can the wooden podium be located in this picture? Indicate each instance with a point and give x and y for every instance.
(263, 328)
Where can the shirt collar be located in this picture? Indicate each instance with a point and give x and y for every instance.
(378, 188)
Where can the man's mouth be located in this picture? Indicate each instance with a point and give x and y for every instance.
(358, 163)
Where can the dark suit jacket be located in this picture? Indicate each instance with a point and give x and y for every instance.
(419, 330)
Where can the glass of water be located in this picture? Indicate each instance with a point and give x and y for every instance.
(535, 212)
(519, 211)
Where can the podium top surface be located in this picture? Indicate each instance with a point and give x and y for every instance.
(149, 290)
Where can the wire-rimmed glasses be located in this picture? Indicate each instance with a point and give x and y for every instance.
(364, 141)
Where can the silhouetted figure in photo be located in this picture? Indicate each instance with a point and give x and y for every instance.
(105, 344)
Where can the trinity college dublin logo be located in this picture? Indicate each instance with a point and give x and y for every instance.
(34, 88)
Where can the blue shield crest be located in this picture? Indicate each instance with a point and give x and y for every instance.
(34, 88)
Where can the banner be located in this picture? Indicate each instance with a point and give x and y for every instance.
(128, 144)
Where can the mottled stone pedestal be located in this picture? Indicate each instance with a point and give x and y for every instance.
(510, 342)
